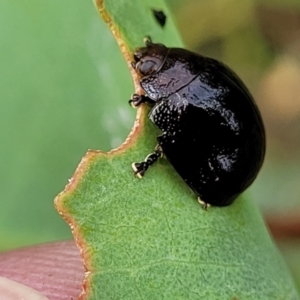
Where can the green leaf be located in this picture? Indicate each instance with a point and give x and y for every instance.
(150, 238)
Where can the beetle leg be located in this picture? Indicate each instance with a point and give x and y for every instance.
(204, 204)
(148, 41)
(140, 168)
(136, 100)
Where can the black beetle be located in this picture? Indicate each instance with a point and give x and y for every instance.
(212, 131)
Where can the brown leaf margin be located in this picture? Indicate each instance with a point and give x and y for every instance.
(92, 155)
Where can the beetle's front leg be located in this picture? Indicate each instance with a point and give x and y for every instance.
(140, 168)
(136, 100)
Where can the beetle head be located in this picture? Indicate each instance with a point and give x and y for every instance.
(149, 59)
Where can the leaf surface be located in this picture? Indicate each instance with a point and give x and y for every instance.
(150, 238)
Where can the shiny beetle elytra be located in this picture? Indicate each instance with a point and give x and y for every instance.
(211, 129)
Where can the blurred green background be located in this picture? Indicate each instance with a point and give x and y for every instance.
(64, 89)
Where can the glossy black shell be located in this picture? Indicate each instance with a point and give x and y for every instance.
(212, 131)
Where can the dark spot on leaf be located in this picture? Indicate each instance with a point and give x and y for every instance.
(160, 17)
